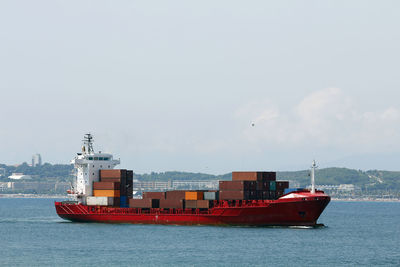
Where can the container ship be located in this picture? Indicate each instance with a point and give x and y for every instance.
(105, 195)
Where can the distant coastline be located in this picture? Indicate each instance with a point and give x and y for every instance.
(366, 199)
(31, 196)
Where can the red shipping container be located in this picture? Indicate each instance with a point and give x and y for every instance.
(253, 176)
(237, 185)
(175, 195)
(155, 195)
(234, 195)
(113, 173)
(106, 185)
(171, 203)
(143, 203)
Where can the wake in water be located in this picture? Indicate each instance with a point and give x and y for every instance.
(31, 220)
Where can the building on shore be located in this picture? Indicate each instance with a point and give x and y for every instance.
(19, 176)
(36, 160)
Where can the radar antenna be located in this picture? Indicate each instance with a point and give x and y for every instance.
(88, 143)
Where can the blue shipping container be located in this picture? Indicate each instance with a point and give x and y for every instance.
(123, 202)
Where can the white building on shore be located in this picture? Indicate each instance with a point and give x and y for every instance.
(19, 176)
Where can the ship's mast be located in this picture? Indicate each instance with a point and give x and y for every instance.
(313, 166)
(88, 144)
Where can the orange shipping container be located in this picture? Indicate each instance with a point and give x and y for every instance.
(190, 195)
(106, 193)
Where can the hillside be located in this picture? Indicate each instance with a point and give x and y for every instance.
(368, 180)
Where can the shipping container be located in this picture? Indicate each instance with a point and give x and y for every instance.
(190, 204)
(171, 203)
(253, 176)
(116, 201)
(106, 185)
(281, 185)
(156, 195)
(106, 193)
(155, 203)
(129, 187)
(268, 176)
(123, 202)
(175, 194)
(203, 204)
(237, 185)
(122, 180)
(272, 185)
(263, 185)
(211, 196)
(244, 176)
(197, 204)
(265, 195)
(99, 201)
(123, 189)
(193, 195)
(140, 203)
(113, 173)
(232, 195)
(129, 174)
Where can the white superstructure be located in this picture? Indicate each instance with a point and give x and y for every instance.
(88, 165)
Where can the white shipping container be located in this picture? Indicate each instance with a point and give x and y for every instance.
(210, 196)
(99, 201)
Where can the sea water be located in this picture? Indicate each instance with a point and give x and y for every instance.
(355, 233)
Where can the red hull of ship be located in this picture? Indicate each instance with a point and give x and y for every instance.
(303, 210)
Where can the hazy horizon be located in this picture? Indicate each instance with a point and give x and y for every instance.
(179, 85)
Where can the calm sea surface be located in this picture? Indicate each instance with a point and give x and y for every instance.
(356, 233)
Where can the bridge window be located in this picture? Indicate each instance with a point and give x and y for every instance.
(100, 158)
(90, 158)
(96, 158)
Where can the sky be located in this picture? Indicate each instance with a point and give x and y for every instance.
(202, 86)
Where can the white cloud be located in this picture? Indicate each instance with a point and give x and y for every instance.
(325, 118)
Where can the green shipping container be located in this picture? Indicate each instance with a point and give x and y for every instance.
(272, 185)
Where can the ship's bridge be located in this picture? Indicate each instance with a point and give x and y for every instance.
(87, 164)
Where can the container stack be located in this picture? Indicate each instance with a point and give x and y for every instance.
(115, 185)
(252, 186)
(176, 199)
(244, 186)
(196, 200)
